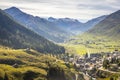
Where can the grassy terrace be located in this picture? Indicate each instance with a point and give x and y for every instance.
(19, 64)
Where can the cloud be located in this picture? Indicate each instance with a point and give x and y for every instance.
(79, 9)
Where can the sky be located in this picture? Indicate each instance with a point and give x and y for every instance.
(82, 10)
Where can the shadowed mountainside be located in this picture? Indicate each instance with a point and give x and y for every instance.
(15, 35)
(39, 25)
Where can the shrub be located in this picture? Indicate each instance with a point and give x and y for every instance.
(2, 74)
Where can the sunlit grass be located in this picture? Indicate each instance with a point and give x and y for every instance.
(87, 43)
(29, 61)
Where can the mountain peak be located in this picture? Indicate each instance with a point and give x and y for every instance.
(51, 19)
(69, 19)
(13, 8)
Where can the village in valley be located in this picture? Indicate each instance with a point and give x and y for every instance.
(91, 64)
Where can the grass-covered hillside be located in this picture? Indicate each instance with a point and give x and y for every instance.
(23, 64)
(109, 27)
(17, 36)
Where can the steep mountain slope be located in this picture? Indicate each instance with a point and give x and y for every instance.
(39, 25)
(15, 35)
(89, 24)
(109, 27)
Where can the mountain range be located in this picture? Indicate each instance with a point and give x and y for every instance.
(15, 35)
(39, 25)
(54, 29)
(109, 27)
(74, 25)
(66, 23)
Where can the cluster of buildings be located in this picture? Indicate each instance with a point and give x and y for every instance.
(90, 62)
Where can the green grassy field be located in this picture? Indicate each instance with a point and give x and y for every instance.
(89, 43)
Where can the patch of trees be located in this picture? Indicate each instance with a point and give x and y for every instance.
(10, 61)
(56, 73)
(112, 64)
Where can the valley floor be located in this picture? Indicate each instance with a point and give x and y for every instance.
(90, 44)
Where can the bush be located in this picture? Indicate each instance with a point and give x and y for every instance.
(2, 74)
(30, 75)
(9, 60)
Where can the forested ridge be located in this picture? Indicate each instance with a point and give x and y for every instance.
(17, 36)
